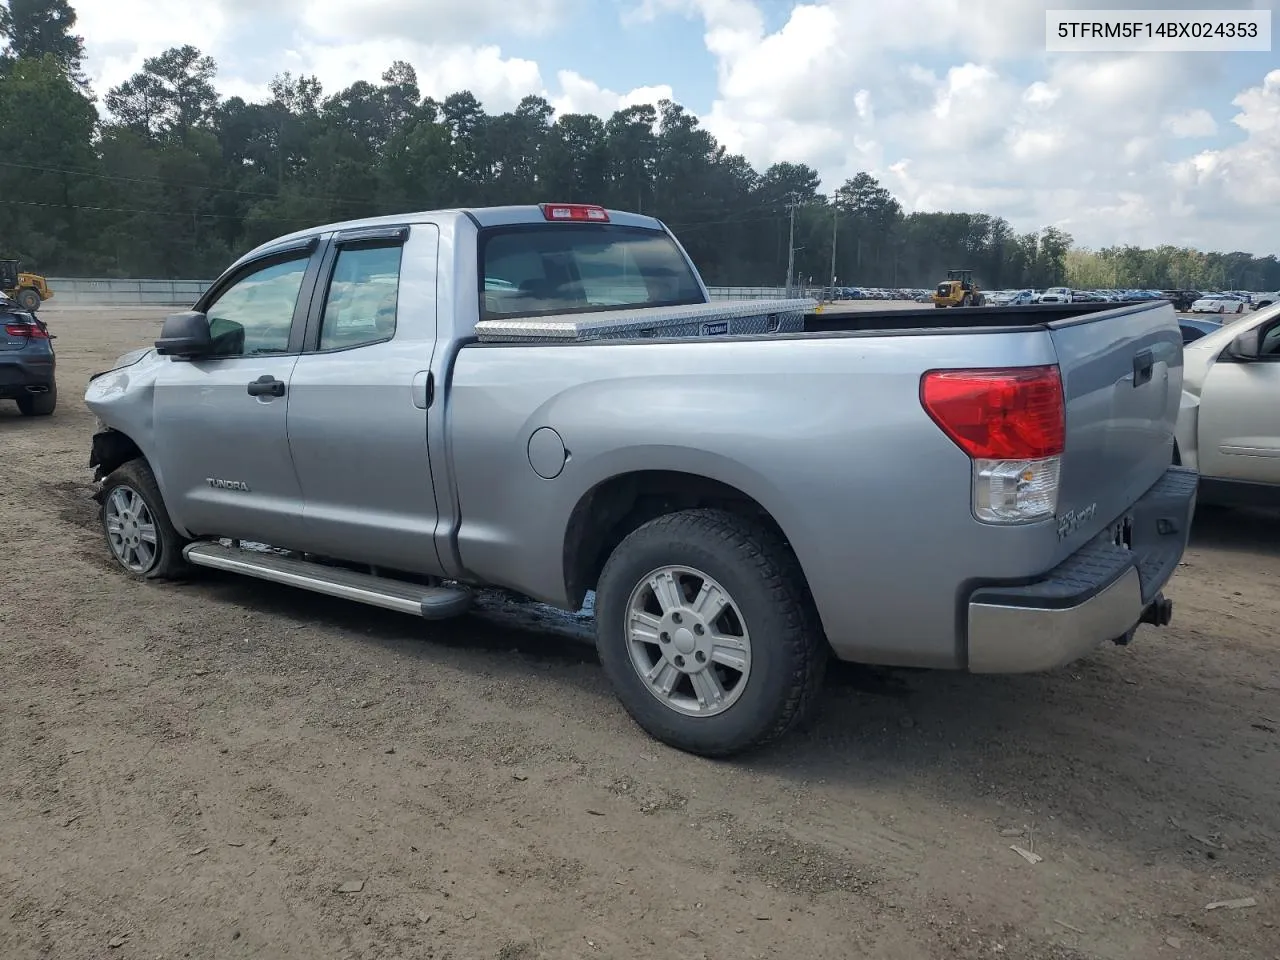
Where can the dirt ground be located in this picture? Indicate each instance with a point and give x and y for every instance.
(197, 770)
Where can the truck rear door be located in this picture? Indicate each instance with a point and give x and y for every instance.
(1122, 382)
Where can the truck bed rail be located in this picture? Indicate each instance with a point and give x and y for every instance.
(720, 318)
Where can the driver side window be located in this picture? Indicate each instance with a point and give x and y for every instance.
(255, 314)
(1270, 346)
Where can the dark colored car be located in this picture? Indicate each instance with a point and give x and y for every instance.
(1181, 299)
(1193, 328)
(27, 362)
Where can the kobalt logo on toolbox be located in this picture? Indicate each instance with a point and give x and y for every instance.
(1153, 31)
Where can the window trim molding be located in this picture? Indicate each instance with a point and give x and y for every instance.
(365, 238)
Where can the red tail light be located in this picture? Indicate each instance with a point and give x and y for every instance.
(1010, 414)
(32, 331)
(575, 211)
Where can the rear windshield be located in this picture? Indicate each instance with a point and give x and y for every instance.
(540, 269)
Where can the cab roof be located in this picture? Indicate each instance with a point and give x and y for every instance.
(481, 216)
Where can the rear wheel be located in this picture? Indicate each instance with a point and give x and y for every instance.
(136, 524)
(39, 404)
(706, 631)
(28, 299)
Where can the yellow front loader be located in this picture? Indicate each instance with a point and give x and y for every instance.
(958, 290)
(28, 289)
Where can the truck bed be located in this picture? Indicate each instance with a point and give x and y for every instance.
(776, 318)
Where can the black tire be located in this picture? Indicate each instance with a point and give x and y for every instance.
(28, 299)
(788, 651)
(39, 404)
(167, 562)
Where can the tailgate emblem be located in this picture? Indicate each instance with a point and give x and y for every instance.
(1072, 520)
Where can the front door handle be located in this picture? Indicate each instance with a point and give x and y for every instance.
(266, 386)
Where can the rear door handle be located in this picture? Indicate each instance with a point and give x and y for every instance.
(266, 386)
(1144, 362)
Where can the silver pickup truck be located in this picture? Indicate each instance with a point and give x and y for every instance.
(542, 398)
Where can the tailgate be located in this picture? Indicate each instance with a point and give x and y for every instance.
(1122, 381)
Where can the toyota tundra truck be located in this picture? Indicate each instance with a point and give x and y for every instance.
(401, 411)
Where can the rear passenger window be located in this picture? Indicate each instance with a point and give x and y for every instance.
(360, 308)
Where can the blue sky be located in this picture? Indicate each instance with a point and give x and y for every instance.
(953, 104)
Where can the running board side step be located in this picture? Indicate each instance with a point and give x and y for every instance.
(432, 603)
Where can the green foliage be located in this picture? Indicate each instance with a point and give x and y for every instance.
(176, 181)
(36, 28)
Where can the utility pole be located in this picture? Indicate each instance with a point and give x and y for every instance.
(835, 220)
(791, 245)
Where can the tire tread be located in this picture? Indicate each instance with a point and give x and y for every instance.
(137, 473)
(771, 560)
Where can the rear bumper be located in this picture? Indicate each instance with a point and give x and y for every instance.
(1102, 592)
(20, 378)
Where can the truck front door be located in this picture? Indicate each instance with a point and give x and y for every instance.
(359, 398)
(220, 422)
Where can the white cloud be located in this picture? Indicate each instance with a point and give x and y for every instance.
(1243, 179)
(325, 38)
(498, 82)
(971, 114)
(120, 34)
(430, 22)
(580, 95)
(1192, 123)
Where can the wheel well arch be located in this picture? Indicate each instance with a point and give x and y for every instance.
(613, 508)
(112, 449)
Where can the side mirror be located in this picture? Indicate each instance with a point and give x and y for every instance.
(185, 335)
(1246, 347)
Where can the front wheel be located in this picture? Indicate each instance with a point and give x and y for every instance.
(28, 299)
(136, 524)
(706, 630)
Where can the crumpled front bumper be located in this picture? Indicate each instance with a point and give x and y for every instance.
(1100, 593)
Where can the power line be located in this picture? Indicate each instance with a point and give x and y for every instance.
(161, 181)
(175, 214)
